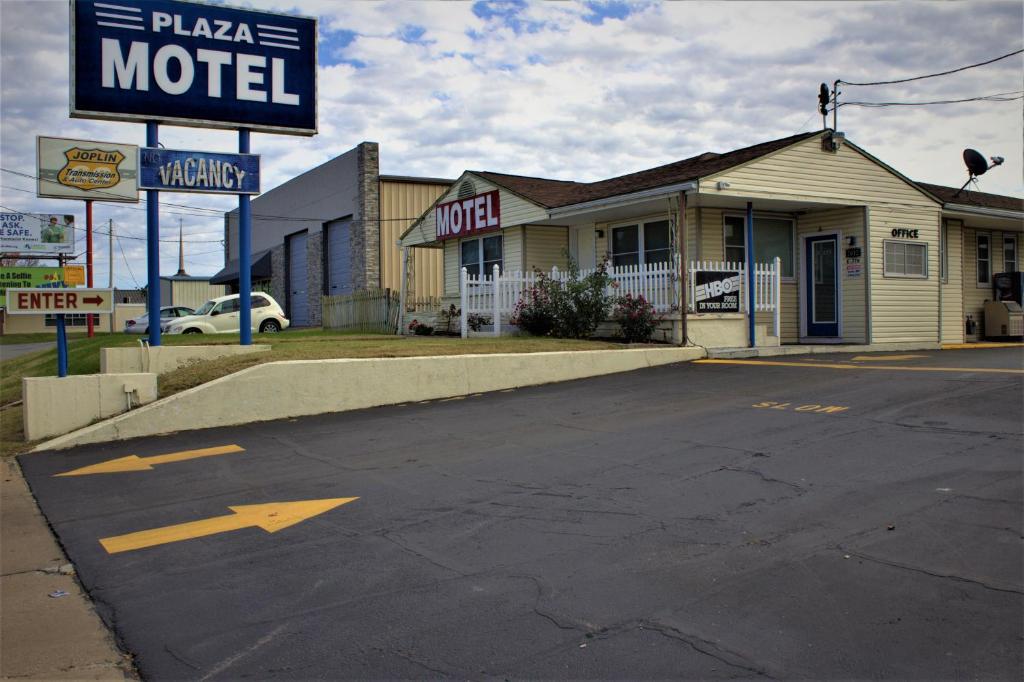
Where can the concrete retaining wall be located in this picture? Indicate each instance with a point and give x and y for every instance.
(55, 405)
(162, 359)
(278, 390)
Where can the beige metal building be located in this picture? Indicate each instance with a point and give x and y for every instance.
(334, 230)
(865, 255)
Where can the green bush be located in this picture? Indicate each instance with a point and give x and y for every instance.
(572, 309)
(637, 319)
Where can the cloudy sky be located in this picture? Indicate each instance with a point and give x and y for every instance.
(569, 90)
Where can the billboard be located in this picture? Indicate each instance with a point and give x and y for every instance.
(468, 217)
(86, 169)
(192, 64)
(175, 170)
(30, 278)
(37, 234)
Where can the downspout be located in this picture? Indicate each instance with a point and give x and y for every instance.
(683, 272)
(751, 303)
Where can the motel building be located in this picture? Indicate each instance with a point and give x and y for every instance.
(846, 249)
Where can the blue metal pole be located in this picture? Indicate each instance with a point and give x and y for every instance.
(153, 247)
(244, 257)
(62, 348)
(751, 301)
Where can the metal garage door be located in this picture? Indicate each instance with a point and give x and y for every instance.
(298, 280)
(338, 261)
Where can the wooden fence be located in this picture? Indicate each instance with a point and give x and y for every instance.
(372, 311)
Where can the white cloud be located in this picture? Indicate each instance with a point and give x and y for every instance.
(546, 93)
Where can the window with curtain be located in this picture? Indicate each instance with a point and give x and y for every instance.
(481, 255)
(905, 259)
(645, 243)
(984, 260)
(772, 237)
(1009, 253)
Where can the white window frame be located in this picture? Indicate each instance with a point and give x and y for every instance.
(639, 224)
(903, 275)
(772, 216)
(978, 236)
(480, 251)
(1010, 239)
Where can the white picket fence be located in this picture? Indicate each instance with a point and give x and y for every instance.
(498, 293)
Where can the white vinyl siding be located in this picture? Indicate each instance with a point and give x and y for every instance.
(952, 284)
(546, 247)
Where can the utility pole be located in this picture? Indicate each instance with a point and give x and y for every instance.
(110, 272)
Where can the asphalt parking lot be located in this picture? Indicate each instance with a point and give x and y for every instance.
(698, 521)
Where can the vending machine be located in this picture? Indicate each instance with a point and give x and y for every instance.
(1004, 316)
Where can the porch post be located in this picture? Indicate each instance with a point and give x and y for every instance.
(464, 323)
(683, 272)
(777, 295)
(751, 300)
(496, 299)
(402, 291)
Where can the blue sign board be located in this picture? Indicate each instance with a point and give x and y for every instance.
(175, 170)
(186, 63)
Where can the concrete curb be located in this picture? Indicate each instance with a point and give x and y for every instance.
(279, 390)
(772, 351)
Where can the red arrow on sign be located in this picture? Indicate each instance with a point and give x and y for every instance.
(96, 300)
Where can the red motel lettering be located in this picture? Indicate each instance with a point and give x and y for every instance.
(466, 217)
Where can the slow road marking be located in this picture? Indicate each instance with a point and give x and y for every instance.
(822, 409)
(887, 368)
(270, 517)
(136, 463)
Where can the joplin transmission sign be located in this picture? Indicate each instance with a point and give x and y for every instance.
(186, 63)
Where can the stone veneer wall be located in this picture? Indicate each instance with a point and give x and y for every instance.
(277, 273)
(365, 235)
(315, 278)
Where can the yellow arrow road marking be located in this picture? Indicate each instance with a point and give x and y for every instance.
(136, 463)
(884, 358)
(772, 363)
(271, 517)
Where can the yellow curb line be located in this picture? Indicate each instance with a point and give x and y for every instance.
(876, 367)
(971, 346)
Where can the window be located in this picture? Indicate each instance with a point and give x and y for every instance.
(259, 302)
(486, 251)
(641, 244)
(228, 306)
(906, 259)
(1009, 253)
(70, 320)
(773, 238)
(735, 239)
(984, 260)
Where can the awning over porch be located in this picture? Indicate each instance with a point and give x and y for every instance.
(260, 269)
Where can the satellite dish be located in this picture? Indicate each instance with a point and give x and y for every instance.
(976, 163)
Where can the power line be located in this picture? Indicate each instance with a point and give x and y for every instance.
(209, 212)
(128, 236)
(933, 75)
(125, 257)
(997, 97)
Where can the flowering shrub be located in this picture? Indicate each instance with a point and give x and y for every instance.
(636, 317)
(571, 309)
(476, 322)
(420, 329)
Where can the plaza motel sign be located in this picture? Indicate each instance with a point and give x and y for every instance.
(201, 65)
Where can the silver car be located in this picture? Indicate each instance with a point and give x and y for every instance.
(140, 324)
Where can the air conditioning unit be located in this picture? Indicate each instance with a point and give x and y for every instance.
(1003, 318)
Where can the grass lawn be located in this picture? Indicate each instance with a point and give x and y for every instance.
(84, 358)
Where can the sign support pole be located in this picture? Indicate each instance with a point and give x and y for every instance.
(751, 301)
(62, 348)
(88, 256)
(244, 257)
(152, 246)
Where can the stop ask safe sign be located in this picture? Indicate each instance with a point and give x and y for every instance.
(59, 301)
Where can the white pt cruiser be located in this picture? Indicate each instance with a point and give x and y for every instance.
(220, 316)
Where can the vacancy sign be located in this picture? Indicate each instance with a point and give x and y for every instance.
(468, 217)
(59, 301)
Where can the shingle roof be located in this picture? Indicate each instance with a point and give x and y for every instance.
(555, 193)
(949, 195)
